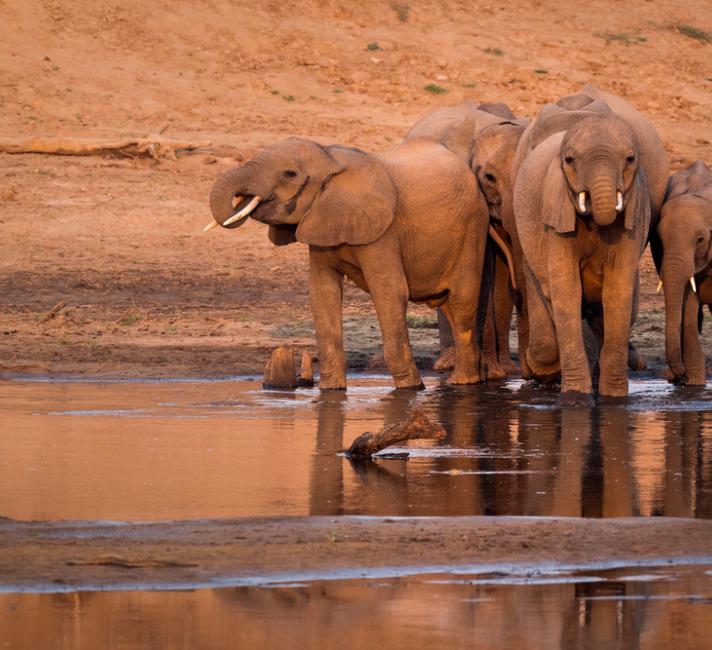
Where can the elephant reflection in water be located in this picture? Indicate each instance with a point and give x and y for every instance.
(520, 460)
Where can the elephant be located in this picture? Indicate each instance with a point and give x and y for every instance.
(587, 188)
(459, 128)
(404, 225)
(685, 233)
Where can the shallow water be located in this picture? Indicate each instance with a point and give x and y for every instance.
(192, 449)
(645, 608)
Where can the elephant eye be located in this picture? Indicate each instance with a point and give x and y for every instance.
(491, 177)
(290, 173)
(700, 240)
(569, 160)
(630, 159)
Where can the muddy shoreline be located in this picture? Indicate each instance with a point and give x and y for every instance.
(70, 556)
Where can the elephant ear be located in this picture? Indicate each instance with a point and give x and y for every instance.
(558, 208)
(282, 234)
(637, 208)
(355, 205)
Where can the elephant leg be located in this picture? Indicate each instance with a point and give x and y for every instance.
(566, 296)
(503, 304)
(542, 351)
(522, 307)
(387, 284)
(693, 356)
(325, 296)
(636, 360)
(487, 325)
(618, 299)
(446, 360)
(462, 314)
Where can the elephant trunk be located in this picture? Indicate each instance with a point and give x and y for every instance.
(675, 277)
(232, 183)
(604, 197)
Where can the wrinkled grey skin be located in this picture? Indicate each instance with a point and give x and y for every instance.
(584, 262)
(409, 224)
(460, 128)
(685, 233)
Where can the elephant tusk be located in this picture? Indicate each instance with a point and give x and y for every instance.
(693, 284)
(210, 226)
(507, 253)
(582, 202)
(660, 286)
(619, 201)
(244, 212)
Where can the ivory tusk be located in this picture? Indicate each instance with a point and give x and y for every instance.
(660, 286)
(507, 253)
(582, 202)
(693, 284)
(619, 201)
(210, 226)
(244, 212)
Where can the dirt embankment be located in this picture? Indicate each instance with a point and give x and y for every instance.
(119, 239)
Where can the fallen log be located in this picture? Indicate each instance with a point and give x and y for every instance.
(54, 311)
(154, 146)
(418, 426)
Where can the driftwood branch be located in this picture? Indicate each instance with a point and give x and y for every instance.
(416, 427)
(154, 146)
(54, 311)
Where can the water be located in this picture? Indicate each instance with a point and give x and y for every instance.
(192, 450)
(644, 608)
(128, 451)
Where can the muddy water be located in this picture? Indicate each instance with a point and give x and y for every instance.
(179, 450)
(645, 608)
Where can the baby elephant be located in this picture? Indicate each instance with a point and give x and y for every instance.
(685, 233)
(404, 225)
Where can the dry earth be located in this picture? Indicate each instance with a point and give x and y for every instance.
(118, 239)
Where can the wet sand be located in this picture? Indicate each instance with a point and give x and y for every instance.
(68, 556)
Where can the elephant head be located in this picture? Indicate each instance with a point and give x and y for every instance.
(306, 192)
(596, 174)
(492, 165)
(685, 231)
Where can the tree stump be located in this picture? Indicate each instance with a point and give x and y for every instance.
(280, 369)
(418, 426)
(305, 379)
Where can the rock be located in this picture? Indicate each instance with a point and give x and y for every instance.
(280, 369)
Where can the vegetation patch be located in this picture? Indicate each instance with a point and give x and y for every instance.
(373, 47)
(402, 10)
(694, 32)
(621, 37)
(495, 51)
(435, 89)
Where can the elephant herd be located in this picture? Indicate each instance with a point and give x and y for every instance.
(480, 213)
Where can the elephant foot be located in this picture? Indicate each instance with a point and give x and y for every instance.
(328, 383)
(509, 367)
(459, 377)
(408, 380)
(636, 361)
(446, 360)
(493, 370)
(608, 388)
(574, 398)
(542, 373)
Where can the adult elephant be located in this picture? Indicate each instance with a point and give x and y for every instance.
(459, 128)
(586, 187)
(685, 233)
(405, 225)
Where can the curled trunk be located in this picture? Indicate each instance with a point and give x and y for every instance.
(232, 182)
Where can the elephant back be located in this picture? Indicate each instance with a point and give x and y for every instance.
(454, 127)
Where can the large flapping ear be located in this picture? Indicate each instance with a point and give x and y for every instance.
(354, 206)
(692, 179)
(637, 206)
(282, 234)
(558, 208)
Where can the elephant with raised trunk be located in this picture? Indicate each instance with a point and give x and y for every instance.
(685, 233)
(409, 224)
(587, 186)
